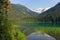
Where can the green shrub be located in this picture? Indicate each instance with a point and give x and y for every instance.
(20, 36)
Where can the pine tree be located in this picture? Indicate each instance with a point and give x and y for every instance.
(7, 30)
(4, 25)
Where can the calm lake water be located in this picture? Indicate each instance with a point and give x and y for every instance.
(40, 24)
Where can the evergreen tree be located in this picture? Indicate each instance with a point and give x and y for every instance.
(7, 29)
(4, 25)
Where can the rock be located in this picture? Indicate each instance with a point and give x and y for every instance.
(39, 36)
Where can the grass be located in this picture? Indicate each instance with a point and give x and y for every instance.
(53, 31)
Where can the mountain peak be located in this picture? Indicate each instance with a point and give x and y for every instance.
(58, 4)
(40, 10)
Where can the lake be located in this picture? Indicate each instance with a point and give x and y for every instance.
(40, 24)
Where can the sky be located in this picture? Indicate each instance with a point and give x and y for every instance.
(34, 4)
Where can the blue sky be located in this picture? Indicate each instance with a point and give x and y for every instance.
(34, 4)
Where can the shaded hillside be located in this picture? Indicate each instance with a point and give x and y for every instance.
(20, 13)
(23, 9)
(51, 15)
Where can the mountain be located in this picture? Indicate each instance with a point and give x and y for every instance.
(40, 10)
(51, 15)
(23, 9)
(20, 13)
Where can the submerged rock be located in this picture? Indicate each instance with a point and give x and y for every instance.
(39, 36)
